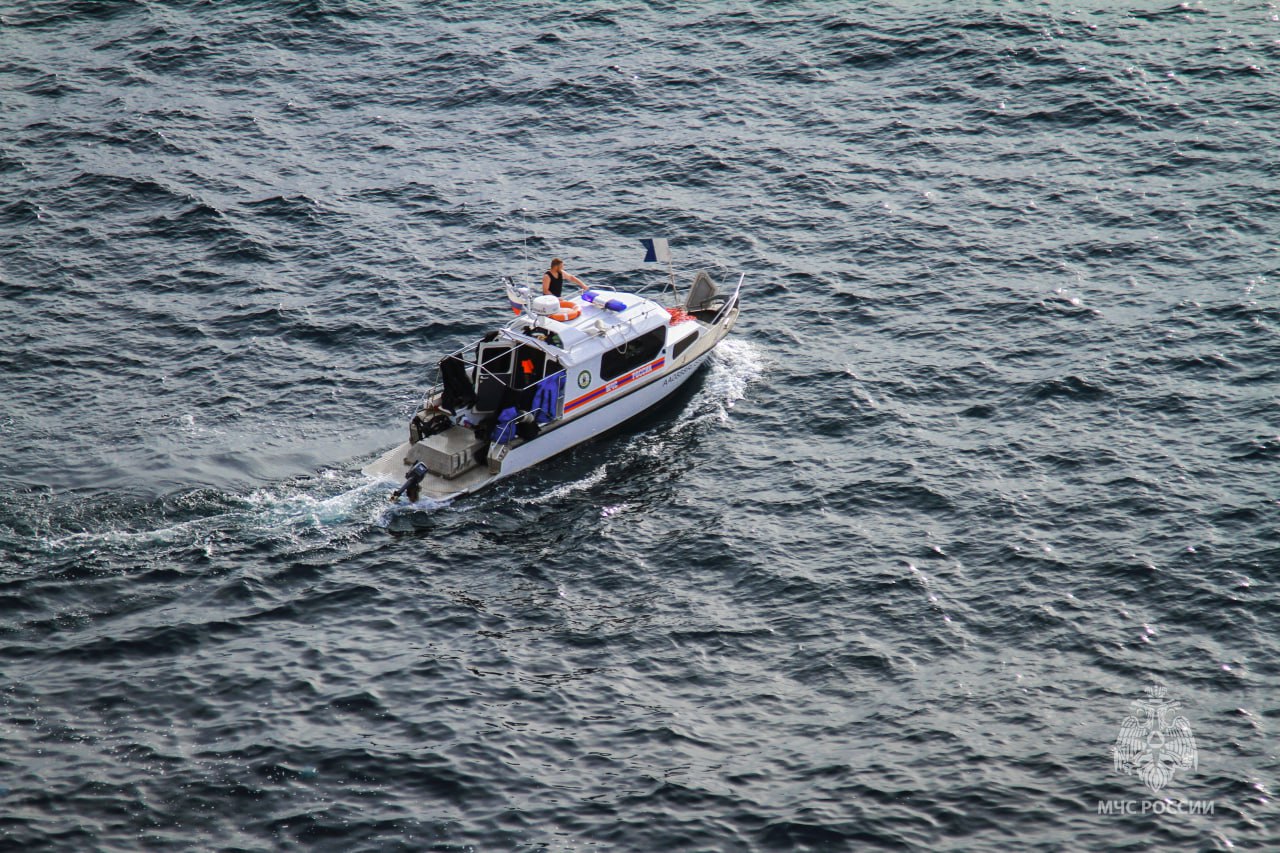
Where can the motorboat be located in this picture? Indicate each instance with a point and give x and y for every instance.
(559, 373)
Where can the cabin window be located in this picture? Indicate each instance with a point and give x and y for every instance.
(682, 345)
(632, 354)
(494, 362)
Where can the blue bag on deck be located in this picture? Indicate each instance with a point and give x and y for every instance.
(505, 429)
(546, 400)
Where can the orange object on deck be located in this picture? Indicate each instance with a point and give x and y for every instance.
(679, 315)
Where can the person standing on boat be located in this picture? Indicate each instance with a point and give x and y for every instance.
(553, 279)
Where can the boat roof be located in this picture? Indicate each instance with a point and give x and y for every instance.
(596, 328)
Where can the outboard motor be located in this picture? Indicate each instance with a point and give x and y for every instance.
(412, 484)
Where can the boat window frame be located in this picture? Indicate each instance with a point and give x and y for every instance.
(635, 352)
(486, 365)
(679, 347)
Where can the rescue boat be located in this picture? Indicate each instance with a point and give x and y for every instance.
(561, 372)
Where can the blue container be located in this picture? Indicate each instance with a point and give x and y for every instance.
(613, 304)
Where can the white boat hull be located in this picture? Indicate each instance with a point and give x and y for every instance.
(392, 465)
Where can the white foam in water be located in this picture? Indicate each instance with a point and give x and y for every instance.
(596, 477)
(184, 530)
(385, 514)
(300, 508)
(734, 365)
(298, 515)
(281, 513)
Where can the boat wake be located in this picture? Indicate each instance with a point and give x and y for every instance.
(332, 505)
(597, 476)
(299, 516)
(735, 365)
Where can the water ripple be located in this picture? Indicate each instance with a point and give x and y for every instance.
(990, 451)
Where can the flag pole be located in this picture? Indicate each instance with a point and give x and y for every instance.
(659, 249)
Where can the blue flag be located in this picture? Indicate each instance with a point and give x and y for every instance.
(656, 250)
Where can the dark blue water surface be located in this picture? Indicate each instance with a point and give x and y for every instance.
(993, 448)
